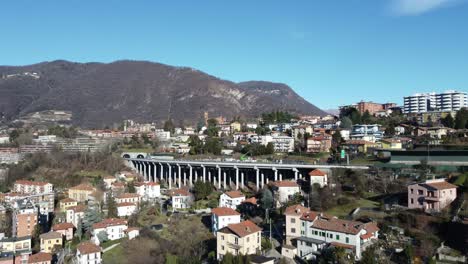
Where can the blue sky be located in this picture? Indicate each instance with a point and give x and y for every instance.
(331, 52)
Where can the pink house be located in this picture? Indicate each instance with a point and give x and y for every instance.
(66, 229)
(432, 195)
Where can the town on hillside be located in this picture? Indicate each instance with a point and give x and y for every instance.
(376, 183)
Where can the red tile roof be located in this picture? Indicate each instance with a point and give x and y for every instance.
(86, 248)
(83, 187)
(224, 211)
(36, 183)
(51, 235)
(285, 184)
(317, 172)
(441, 185)
(40, 257)
(336, 244)
(337, 225)
(78, 208)
(67, 200)
(242, 229)
(296, 210)
(180, 192)
(62, 226)
(358, 142)
(234, 194)
(109, 222)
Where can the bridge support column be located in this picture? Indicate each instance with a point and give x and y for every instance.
(155, 172)
(276, 173)
(196, 176)
(237, 178)
(204, 173)
(263, 180)
(224, 183)
(295, 173)
(190, 175)
(280, 176)
(219, 177)
(169, 176)
(257, 178)
(161, 172)
(180, 175)
(242, 180)
(209, 176)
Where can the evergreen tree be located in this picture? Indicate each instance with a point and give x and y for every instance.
(267, 199)
(196, 145)
(111, 205)
(91, 217)
(169, 126)
(79, 229)
(461, 119)
(202, 190)
(346, 123)
(448, 121)
(366, 117)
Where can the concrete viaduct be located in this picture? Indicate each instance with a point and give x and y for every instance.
(234, 175)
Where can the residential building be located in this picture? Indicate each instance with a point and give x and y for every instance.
(223, 216)
(284, 191)
(242, 238)
(132, 232)
(118, 188)
(391, 143)
(16, 249)
(431, 195)
(25, 219)
(75, 214)
(359, 146)
(235, 127)
(66, 203)
(66, 229)
(40, 258)
(301, 131)
(318, 177)
(283, 143)
(293, 215)
(181, 199)
(32, 187)
(451, 100)
(113, 227)
(128, 198)
(126, 209)
(319, 144)
(51, 241)
(148, 190)
(231, 199)
(419, 103)
(82, 192)
(370, 133)
(88, 253)
(319, 231)
(109, 180)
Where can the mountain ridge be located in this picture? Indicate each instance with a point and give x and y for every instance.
(105, 93)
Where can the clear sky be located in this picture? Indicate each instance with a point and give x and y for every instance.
(332, 52)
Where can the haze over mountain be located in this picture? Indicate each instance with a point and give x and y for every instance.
(101, 94)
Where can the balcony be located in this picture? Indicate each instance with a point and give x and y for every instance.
(234, 246)
(432, 198)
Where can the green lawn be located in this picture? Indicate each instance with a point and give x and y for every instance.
(114, 255)
(344, 210)
(92, 173)
(461, 179)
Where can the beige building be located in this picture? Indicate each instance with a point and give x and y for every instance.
(293, 222)
(82, 192)
(242, 238)
(51, 240)
(66, 203)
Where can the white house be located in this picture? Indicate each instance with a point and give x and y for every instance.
(148, 190)
(231, 199)
(283, 143)
(319, 177)
(284, 191)
(32, 187)
(109, 180)
(113, 227)
(132, 232)
(181, 199)
(128, 198)
(126, 209)
(319, 230)
(75, 214)
(223, 216)
(88, 253)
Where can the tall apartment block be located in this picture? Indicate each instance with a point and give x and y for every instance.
(427, 102)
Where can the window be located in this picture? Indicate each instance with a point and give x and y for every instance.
(347, 240)
(222, 237)
(236, 241)
(420, 192)
(412, 190)
(315, 232)
(293, 220)
(412, 201)
(337, 237)
(293, 230)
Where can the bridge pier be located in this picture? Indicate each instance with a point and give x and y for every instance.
(169, 176)
(237, 178)
(257, 178)
(204, 173)
(179, 172)
(190, 175)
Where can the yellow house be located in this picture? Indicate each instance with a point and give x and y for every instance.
(14, 244)
(67, 203)
(51, 240)
(391, 144)
(359, 146)
(81, 193)
(242, 238)
(235, 127)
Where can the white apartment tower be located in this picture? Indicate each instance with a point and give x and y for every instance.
(426, 102)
